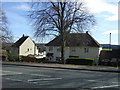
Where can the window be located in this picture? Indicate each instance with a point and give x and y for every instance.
(58, 58)
(58, 49)
(50, 48)
(73, 50)
(86, 50)
(28, 49)
(39, 49)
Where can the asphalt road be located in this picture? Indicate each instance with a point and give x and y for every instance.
(38, 77)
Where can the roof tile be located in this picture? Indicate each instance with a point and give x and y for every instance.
(20, 41)
(75, 39)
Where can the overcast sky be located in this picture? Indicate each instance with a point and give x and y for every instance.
(105, 12)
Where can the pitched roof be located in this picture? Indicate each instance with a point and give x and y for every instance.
(20, 41)
(41, 47)
(76, 39)
(6, 45)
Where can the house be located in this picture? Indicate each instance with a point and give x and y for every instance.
(110, 57)
(23, 47)
(6, 46)
(109, 46)
(41, 50)
(81, 45)
(3, 52)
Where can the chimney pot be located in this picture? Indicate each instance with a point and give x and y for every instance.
(23, 35)
(86, 32)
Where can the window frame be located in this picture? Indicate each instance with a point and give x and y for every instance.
(58, 49)
(86, 50)
(50, 48)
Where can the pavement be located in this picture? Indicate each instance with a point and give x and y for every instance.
(61, 66)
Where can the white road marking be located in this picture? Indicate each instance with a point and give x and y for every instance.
(46, 84)
(9, 73)
(33, 80)
(14, 79)
(42, 83)
(114, 82)
(13, 72)
(91, 80)
(1, 74)
(40, 75)
(105, 86)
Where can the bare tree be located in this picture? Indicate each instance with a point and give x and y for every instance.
(60, 18)
(5, 34)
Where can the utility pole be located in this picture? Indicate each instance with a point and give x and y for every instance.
(109, 50)
(110, 42)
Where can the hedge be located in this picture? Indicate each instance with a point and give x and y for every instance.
(80, 61)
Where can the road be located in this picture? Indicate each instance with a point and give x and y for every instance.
(38, 77)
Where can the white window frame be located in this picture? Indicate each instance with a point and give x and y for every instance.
(86, 50)
(58, 49)
(50, 48)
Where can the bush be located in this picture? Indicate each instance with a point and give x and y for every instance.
(13, 57)
(32, 59)
(28, 59)
(4, 55)
(80, 61)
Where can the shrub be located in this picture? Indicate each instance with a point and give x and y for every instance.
(28, 59)
(13, 57)
(32, 59)
(4, 55)
(80, 61)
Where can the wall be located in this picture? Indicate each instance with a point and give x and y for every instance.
(55, 52)
(41, 55)
(93, 52)
(36, 50)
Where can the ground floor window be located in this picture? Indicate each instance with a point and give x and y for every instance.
(86, 50)
(58, 58)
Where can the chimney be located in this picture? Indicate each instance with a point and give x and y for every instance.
(87, 32)
(23, 35)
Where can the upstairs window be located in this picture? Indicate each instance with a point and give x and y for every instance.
(50, 48)
(39, 49)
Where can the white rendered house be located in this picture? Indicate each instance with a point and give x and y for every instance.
(24, 46)
(81, 45)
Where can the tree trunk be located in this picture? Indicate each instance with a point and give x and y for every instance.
(63, 49)
(62, 54)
